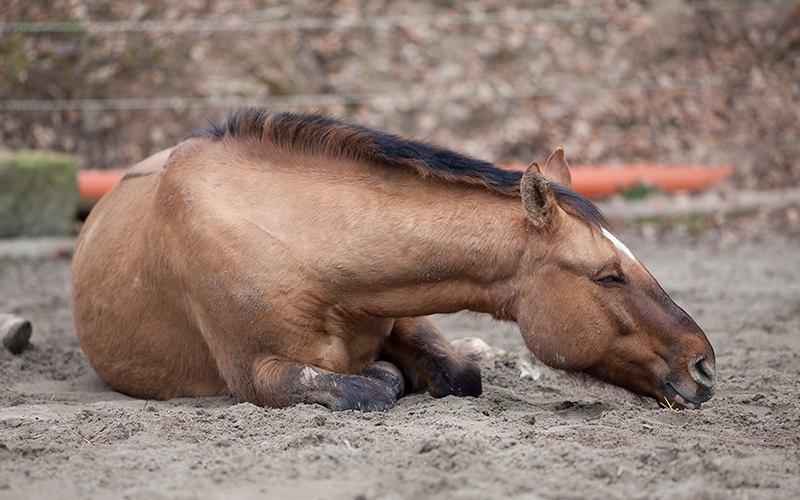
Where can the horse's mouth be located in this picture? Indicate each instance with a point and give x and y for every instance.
(677, 398)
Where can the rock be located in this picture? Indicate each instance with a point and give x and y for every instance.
(16, 332)
(479, 351)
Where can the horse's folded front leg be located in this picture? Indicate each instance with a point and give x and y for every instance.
(280, 383)
(428, 360)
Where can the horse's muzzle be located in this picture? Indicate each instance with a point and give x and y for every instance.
(703, 374)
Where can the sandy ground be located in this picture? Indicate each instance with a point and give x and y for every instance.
(64, 434)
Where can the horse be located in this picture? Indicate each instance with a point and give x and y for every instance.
(294, 258)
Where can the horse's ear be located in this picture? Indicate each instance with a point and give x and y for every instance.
(556, 169)
(537, 197)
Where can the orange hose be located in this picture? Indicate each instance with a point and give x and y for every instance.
(590, 181)
(597, 181)
(93, 184)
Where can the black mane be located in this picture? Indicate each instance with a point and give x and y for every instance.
(322, 134)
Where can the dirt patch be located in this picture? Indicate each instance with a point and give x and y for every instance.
(64, 434)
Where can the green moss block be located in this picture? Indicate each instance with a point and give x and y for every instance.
(38, 194)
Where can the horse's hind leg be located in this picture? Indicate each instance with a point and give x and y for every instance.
(280, 383)
(428, 361)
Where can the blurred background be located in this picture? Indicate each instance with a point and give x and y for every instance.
(613, 81)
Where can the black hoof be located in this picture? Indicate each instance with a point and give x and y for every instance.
(377, 389)
(459, 379)
(388, 373)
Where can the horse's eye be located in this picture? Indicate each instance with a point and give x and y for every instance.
(611, 279)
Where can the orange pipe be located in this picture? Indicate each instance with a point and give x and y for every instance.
(594, 182)
(93, 184)
(598, 181)
(590, 181)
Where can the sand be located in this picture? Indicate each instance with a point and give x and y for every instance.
(65, 434)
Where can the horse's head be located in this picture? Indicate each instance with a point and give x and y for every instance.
(602, 313)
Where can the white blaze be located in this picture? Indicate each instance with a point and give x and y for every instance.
(618, 244)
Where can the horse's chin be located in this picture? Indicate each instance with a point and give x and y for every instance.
(676, 397)
(668, 394)
(682, 403)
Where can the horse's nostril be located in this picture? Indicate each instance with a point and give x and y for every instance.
(702, 372)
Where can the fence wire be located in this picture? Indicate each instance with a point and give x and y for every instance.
(377, 98)
(481, 92)
(341, 23)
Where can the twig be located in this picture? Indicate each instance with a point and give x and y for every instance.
(77, 434)
(668, 406)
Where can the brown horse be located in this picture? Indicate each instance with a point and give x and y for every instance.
(293, 258)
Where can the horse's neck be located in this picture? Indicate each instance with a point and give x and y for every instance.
(445, 251)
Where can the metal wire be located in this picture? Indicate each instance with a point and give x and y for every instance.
(334, 99)
(341, 23)
(378, 98)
